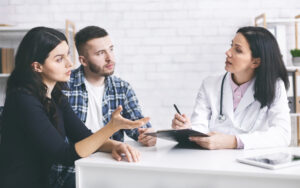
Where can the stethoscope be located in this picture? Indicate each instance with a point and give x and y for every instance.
(221, 116)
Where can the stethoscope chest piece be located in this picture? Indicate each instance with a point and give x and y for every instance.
(221, 118)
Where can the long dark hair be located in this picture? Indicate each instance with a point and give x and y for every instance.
(263, 45)
(35, 47)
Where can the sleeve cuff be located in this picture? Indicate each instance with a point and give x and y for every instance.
(239, 143)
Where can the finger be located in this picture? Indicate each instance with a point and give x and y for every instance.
(149, 130)
(179, 123)
(201, 142)
(116, 156)
(138, 154)
(142, 136)
(145, 130)
(199, 139)
(142, 130)
(144, 120)
(180, 118)
(211, 133)
(151, 142)
(132, 153)
(173, 124)
(145, 139)
(138, 123)
(117, 111)
(134, 124)
(127, 154)
(181, 127)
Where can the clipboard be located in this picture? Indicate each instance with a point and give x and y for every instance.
(181, 135)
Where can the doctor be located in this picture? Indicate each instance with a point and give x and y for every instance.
(247, 107)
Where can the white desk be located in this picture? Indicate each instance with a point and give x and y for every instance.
(165, 166)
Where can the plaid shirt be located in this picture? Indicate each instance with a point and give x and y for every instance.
(116, 92)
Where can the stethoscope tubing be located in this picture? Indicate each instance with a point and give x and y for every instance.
(221, 115)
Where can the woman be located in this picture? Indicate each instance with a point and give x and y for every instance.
(252, 111)
(39, 126)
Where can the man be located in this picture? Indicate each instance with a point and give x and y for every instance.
(94, 94)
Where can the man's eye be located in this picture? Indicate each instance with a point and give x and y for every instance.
(100, 53)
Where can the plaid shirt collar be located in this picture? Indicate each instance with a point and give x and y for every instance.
(79, 79)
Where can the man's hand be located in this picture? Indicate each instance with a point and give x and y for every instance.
(216, 141)
(124, 150)
(144, 139)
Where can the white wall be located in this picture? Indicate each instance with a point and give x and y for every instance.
(164, 48)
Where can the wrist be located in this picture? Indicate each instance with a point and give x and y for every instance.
(112, 126)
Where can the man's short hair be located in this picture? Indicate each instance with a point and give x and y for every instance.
(86, 34)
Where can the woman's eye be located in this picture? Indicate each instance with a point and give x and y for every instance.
(59, 60)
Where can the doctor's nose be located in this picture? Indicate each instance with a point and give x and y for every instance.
(228, 53)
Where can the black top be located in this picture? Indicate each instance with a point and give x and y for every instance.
(31, 144)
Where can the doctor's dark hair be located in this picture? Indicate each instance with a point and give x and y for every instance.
(263, 45)
(86, 34)
(35, 47)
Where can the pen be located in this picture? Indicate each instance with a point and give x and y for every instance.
(177, 109)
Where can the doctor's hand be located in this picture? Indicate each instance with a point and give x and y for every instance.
(181, 122)
(216, 141)
(123, 150)
(144, 139)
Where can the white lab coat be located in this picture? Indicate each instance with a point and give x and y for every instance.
(256, 127)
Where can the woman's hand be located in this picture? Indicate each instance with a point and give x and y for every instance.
(144, 139)
(216, 141)
(125, 150)
(181, 122)
(118, 122)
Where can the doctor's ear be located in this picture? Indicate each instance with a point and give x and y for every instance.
(37, 67)
(256, 62)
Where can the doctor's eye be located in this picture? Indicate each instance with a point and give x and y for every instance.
(238, 50)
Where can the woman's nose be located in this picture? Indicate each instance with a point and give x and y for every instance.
(69, 62)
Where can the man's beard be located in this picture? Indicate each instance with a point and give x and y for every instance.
(97, 70)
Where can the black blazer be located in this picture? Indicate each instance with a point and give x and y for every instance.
(31, 144)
